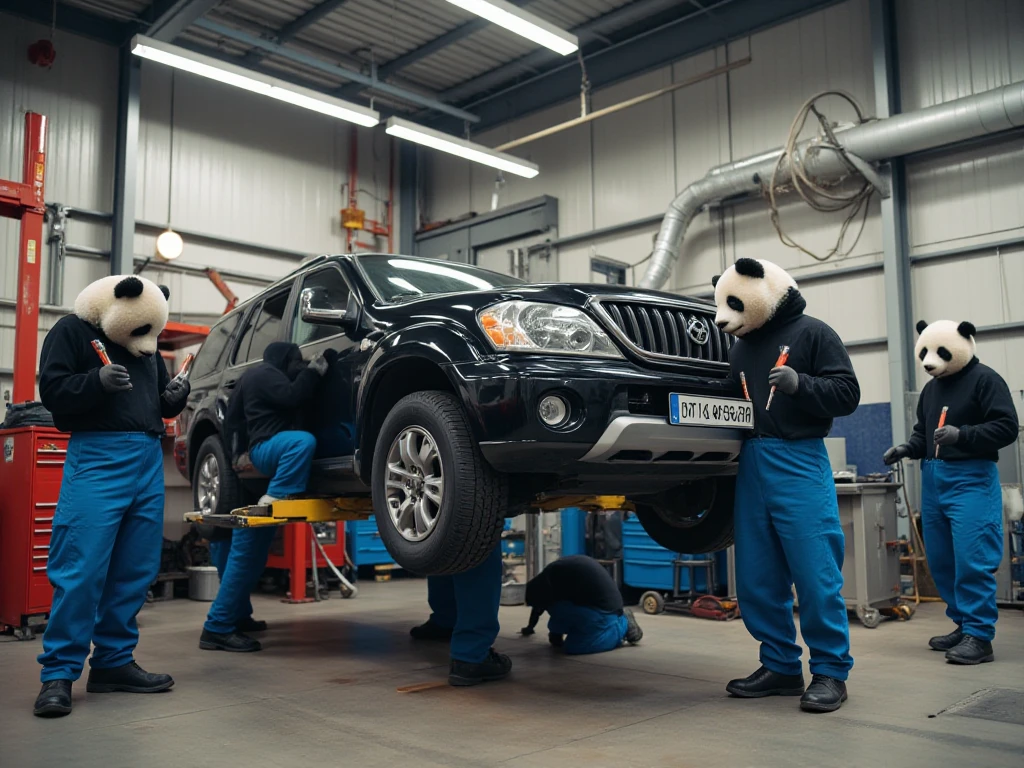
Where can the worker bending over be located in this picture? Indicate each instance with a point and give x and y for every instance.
(464, 610)
(265, 414)
(965, 415)
(584, 604)
(100, 377)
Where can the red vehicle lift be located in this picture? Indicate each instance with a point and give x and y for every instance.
(24, 200)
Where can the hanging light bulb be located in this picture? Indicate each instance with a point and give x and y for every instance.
(169, 245)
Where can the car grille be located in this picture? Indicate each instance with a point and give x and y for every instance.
(661, 330)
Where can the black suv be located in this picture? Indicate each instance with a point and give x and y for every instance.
(458, 396)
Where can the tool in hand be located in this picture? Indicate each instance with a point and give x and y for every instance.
(743, 383)
(783, 357)
(942, 423)
(101, 351)
(185, 367)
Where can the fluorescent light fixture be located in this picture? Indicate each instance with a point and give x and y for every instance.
(205, 66)
(523, 23)
(453, 145)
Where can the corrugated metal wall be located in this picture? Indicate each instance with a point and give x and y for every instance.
(630, 165)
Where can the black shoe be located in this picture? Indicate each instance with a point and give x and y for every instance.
(824, 694)
(764, 682)
(556, 639)
(495, 667)
(633, 631)
(428, 630)
(54, 699)
(971, 650)
(945, 642)
(130, 678)
(235, 642)
(249, 624)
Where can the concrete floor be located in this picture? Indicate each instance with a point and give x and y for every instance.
(323, 692)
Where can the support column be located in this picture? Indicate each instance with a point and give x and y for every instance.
(122, 250)
(408, 175)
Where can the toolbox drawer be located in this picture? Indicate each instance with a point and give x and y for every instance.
(367, 546)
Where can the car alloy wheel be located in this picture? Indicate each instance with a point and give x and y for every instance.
(209, 485)
(414, 484)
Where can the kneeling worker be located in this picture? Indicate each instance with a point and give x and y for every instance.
(265, 414)
(584, 604)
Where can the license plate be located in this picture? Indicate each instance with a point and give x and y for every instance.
(689, 410)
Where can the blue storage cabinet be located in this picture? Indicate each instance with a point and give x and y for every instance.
(366, 547)
(648, 565)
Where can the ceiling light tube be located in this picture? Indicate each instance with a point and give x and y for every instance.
(240, 77)
(403, 129)
(523, 23)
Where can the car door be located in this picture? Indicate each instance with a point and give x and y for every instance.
(208, 368)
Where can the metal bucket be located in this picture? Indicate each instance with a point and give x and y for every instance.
(203, 583)
(513, 594)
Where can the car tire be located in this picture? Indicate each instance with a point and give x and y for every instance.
(693, 518)
(464, 528)
(212, 467)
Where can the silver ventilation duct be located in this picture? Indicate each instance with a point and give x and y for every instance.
(985, 113)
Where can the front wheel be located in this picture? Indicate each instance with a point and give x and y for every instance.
(439, 506)
(692, 518)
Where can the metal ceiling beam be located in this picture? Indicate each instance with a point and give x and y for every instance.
(292, 28)
(669, 43)
(169, 18)
(71, 19)
(334, 69)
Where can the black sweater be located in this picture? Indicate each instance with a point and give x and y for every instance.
(269, 398)
(577, 578)
(979, 403)
(69, 384)
(828, 385)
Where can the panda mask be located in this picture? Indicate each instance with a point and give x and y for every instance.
(131, 311)
(750, 293)
(945, 347)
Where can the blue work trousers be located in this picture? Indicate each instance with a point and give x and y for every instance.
(788, 532)
(468, 604)
(962, 522)
(220, 550)
(586, 630)
(287, 457)
(104, 551)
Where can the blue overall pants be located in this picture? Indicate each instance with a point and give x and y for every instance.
(287, 458)
(586, 630)
(962, 522)
(468, 604)
(788, 532)
(104, 551)
(220, 550)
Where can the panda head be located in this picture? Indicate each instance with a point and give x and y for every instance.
(945, 346)
(748, 294)
(131, 311)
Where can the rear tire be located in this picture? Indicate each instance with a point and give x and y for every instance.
(463, 500)
(215, 487)
(693, 518)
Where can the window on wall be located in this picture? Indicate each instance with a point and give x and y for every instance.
(264, 326)
(330, 291)
(610, 272)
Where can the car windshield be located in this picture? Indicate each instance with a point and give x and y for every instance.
(402, 278)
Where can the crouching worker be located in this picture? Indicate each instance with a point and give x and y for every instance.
(584, 604)
(464, 611)
(100, 377)
(265, 414)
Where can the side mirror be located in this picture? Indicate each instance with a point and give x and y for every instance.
(319, 316)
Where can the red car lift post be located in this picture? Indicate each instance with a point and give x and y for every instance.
(25, 201)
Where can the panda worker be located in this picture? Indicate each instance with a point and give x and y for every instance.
(965, 414)
(787, 514)
(108, 525)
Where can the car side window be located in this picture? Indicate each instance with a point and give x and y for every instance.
(263, 327)
(212, 351)
(330, 292)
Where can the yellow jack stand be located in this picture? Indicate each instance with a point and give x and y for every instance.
(289, 511)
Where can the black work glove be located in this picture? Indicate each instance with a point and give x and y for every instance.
(895, 453)
(114, 378)
(946, 436)
(785, 378)
(319, 364)
(176, 392)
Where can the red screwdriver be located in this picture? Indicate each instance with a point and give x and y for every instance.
(783, 357)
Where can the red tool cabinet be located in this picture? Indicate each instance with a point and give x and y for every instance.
(291, 551)
(30, 476)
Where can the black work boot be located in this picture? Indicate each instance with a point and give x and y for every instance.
(428, 630)
(495, 667)
(249, 624)
(764, 682)
(633, 631)
(971, 650)
(824, 694)
(235, 642)
(556, 640)
(130, 678)
(945, 642)
(54, 699)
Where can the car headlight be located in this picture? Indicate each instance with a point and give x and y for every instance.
(529, 326)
